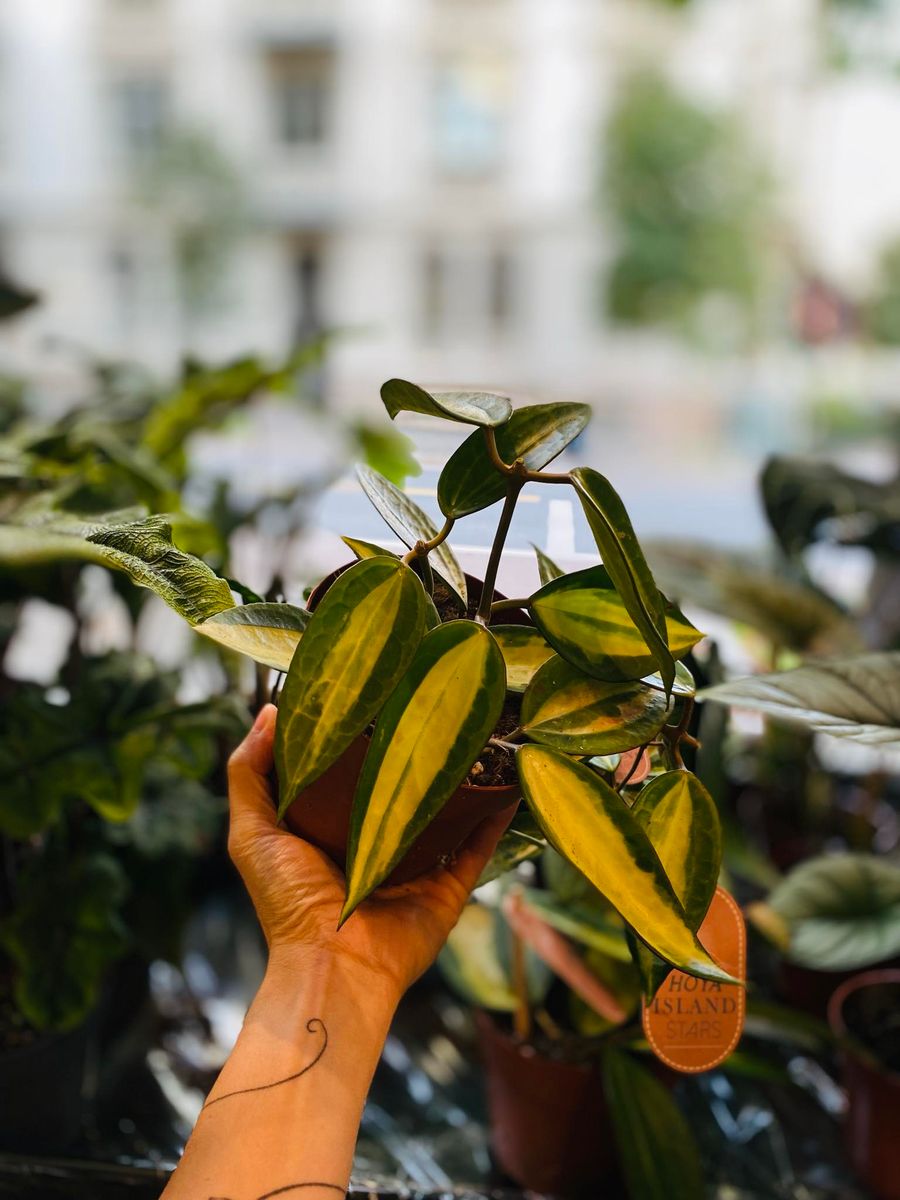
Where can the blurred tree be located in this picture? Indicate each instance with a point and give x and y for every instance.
(881, 316)
(687, 200)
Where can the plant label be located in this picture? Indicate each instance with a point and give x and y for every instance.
(693, 1024)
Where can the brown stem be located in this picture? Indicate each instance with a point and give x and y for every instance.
(522, 1014)
(422, 549)
(483, 614)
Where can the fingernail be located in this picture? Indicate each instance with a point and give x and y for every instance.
(262, 718)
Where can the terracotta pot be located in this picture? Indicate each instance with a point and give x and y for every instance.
(321, 813)
(872, 1126)
(550, 1126)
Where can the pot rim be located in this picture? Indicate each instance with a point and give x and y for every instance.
(856, 983)
(526, 1050)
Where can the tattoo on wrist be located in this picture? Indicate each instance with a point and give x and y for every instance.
(313, 1025)
(293, 1187)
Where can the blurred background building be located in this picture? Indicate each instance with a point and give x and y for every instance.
(683, 213)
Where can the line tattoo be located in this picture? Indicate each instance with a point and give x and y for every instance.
(312, 1026)
(292, 1187)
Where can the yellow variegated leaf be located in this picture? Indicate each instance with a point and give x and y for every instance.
(524, 651)
(358, 643)
(593, 828)
(430, 732)
(267, 633)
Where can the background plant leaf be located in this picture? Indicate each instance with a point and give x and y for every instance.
(856, 697)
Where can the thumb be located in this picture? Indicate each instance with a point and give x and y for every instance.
(249, 793)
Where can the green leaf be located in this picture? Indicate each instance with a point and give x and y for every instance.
(569, 711)
(624, 561)
(62, 935)
(267, 633)
(471, 408)
(684, 684)
(356, 647)
(366, 549)
(657, 1150)
(518, 844)
(534, 436)
(524, 651)
(842, 910)
(793, 615)
(856, 698)
(587, 822)
(585, 620)
(430, 732)
(388, 451)
(410, 524)
(142, 548)
(369, 550)
(588, 925)
(681, 820)
(547, 568)
(471, 964)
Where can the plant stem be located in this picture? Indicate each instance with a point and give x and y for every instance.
(483, 614)
(518, 468)
(522, 1014)
(423, 549)
(505, 605)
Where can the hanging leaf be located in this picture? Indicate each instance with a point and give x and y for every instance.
(471, 408)
(547, 568)
(585, 620)
(857, 697)
(681, 820)
(571, 712)
(411, 525)
(267, 633)
(684, 681)
(141, 548)
(520, 843)
(533, 436)
(356, 647)
(624, 561)
(428, 735)
(524, 651)
(842, 911)
(587, 822)
(657, 1150)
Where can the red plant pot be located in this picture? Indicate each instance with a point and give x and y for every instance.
(321, 812)
(550, 1126)
(872, 1126)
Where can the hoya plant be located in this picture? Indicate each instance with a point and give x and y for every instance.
(433, 675)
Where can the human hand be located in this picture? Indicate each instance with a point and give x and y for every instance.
(298, 892)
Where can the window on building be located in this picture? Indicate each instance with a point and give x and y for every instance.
(471, 96)
(140, 106)
(466, 293)
(301, 82)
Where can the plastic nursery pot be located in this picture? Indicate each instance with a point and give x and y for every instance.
(872, 1124)
(41, 1092)
(321, 813)
(550, 1126)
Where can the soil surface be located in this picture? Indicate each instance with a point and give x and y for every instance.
(496, 767)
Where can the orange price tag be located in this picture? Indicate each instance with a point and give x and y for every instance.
(693, 1024)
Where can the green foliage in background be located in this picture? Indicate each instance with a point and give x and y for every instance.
(686, 198)
(881, 314)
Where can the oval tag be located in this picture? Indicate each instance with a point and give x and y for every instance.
(693, 1024)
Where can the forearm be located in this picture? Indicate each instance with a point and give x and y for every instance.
(283, 1116)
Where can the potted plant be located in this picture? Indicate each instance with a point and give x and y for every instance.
(865, 1014)
(831, 917)
(548, 969)
(411, 686)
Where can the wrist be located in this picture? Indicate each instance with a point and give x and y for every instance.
(320, 975)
